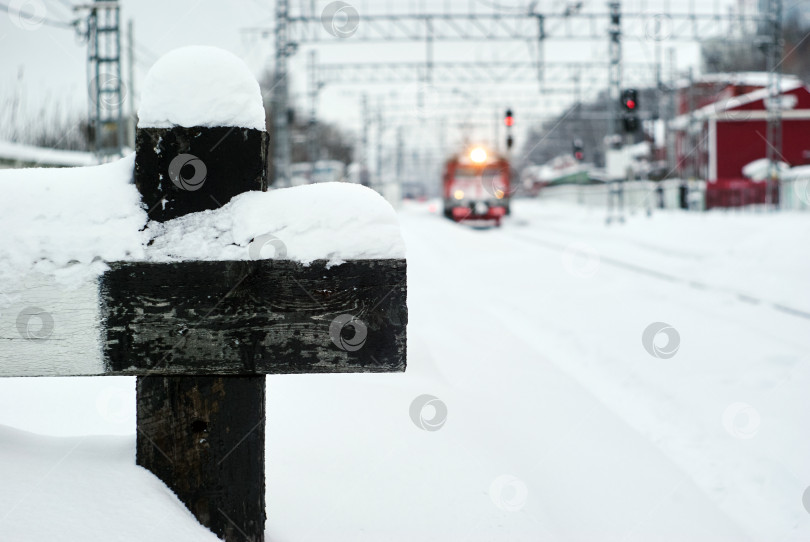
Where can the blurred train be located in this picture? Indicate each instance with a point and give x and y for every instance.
(477, 186)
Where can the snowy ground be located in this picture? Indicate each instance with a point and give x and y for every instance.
(560, 425)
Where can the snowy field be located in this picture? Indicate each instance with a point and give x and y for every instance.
(564, 420)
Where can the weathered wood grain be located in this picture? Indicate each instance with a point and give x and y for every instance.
(253, 317)
(204, 437)
(233, 160)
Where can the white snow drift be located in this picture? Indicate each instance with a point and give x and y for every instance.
(68, 222)
(200, 86)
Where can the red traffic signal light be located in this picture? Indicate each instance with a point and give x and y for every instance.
(509, 120)
(630, 99)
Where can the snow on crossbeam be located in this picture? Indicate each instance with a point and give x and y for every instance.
(76, 236)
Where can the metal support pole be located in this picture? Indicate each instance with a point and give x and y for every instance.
(314, 91)
(615, 76)
(131, 84)
(378, 180)
(541, 50)
(774, 106)
(366, 121)
(281, 136)
(428, 50)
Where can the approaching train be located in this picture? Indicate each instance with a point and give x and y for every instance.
(477, 186)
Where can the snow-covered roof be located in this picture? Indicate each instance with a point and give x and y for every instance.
(749, 79)
(200, 86)
(759, 169)
(713, 110)
(39, 156)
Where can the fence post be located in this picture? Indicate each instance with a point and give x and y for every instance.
(203, 435)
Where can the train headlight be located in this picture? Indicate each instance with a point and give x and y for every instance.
(478, 155)
(458, 194)
(499, 193)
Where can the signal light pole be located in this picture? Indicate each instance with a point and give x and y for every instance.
(509, 121)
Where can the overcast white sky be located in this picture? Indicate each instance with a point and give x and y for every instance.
(48, 64)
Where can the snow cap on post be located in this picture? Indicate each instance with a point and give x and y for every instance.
(200, 86)
(201, 138)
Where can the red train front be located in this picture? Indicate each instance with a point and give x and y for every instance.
(476, 186)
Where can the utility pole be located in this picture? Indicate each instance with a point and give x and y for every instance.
(104, 71)
(541, 52)
(378, 180)
(281, 151)
(366, 122)
(399, 154)
(314, 90)
(615, 76)
(671, 110)
(131, 80)
(774, 103)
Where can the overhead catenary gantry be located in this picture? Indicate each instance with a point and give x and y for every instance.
(471, 72)
(293, 30)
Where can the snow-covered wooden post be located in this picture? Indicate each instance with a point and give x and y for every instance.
(192, 307)
(196, 148)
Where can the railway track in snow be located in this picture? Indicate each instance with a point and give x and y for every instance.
(661, 275)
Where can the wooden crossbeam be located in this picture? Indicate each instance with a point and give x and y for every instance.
(254, 317)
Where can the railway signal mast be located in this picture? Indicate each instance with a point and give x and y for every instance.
(509, 121)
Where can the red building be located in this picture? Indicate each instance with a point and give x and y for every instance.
(728, 129)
